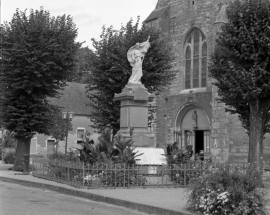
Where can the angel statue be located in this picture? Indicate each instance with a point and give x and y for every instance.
(135, 56)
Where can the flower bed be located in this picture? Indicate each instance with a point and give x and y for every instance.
(227, 192)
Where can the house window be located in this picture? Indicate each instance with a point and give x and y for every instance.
(195, 60)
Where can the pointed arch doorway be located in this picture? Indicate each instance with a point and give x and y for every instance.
(192, 127)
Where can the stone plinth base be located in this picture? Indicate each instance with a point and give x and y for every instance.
(140, 139)
(143, 140)
(134, 114)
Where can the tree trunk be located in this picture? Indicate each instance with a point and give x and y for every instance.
(22, 158)
(258, 113)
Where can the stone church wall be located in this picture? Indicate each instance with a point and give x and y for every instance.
(229, 141)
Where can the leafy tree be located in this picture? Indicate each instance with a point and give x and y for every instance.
(82, 71)
(241, 67)
(111, 69)
(38, 54)
(59, 128)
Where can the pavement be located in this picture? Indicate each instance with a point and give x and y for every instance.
(160, 201)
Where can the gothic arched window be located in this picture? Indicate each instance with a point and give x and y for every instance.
(195, 60)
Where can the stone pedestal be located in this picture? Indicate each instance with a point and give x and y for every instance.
(134, 114)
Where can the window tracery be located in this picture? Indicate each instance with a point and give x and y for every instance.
(195, 60)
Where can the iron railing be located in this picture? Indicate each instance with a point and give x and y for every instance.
(121, 175)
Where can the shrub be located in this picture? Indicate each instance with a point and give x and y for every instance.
(8, 140)
(181, 176)
(181, 159)
(118, 153)
(116, 175)
(105, 150)
(19, 166)
(8, 147)
(122, 178)
(227, 191)
(124, 152)
(9, 156)
(174, 155)
(57, 159)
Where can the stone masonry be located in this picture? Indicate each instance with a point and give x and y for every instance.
(176, 19)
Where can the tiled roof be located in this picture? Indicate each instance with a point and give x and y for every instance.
(156, 13)
(73, 99)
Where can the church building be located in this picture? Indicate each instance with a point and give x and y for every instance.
(188, 111)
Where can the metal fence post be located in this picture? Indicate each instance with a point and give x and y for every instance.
(106, 171)
(83, 174)
(33, 166)
(124, 174)
(68, 173)
(115, 173)
(185, 174)
(42, 164)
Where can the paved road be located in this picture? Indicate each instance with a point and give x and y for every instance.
(21, 200)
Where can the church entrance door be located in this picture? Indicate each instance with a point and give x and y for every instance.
(193, 128)
(198, 146)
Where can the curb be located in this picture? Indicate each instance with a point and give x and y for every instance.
(99, 198)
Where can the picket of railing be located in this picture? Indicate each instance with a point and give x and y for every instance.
(59, 171)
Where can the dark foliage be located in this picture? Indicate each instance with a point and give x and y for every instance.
(38, 53)
(82, 71)
(107, 150)
(122, 176)
(8, 140)
(241, 68)
(58, 130)
(111, 69)
(9, 156)
(240, 63)
(174, 155)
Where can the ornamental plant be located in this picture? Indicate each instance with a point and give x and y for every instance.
(108, 150)
(227, 191)
(112, 161)
(114, 175)
(108, 162)
(9, 156)
(174, 155)
(126, 153)
(8, 144)
(180, 159)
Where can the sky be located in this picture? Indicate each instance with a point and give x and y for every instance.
(88, 15)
